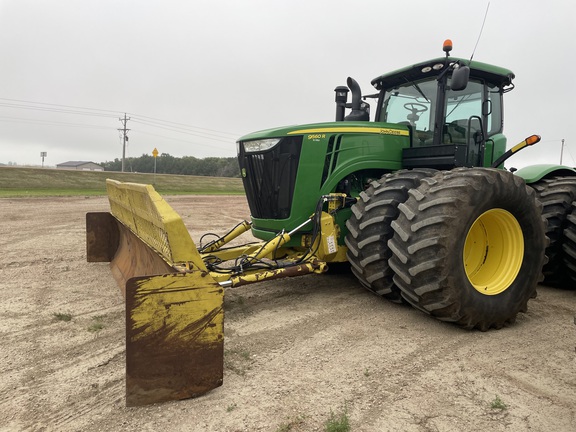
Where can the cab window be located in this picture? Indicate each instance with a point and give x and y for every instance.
(411, 104)
(463, 111)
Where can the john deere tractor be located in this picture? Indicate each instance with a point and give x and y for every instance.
(416, 200)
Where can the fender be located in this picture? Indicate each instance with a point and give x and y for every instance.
(534, 173)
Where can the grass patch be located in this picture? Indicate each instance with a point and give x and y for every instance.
(29, 193)
(62, 316)
(38, 182)
(338, 422)
(497, 403)
(97, 323)
(297, 421)
(231, 407)
(237, 360)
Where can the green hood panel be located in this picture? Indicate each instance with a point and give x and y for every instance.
(332, 127)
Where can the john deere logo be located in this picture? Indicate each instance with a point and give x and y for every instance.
(243, 172)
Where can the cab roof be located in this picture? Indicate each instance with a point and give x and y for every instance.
(493, 74)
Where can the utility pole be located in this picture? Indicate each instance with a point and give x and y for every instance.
(561, 151)
(124, 131)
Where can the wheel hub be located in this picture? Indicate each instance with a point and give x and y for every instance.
(493, 251)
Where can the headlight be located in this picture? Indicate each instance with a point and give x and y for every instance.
(260, 145)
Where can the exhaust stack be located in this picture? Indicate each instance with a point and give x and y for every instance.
(359, 111)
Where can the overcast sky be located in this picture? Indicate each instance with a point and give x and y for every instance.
(195, 75)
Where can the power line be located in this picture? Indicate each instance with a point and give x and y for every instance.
(56, 110)
(145, 121)
(79, 110)
(62, 106)
(182, 125)
(52, 123)
(213, 137)
(178, 139)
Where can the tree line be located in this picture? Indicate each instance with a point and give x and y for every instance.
(186, 165)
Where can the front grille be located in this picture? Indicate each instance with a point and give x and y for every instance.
(269, 178)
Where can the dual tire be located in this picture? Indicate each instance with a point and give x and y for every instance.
(569, 246)
(369, 229)
(558, 198)
(466, 246)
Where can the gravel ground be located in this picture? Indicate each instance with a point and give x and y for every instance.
(296, 350)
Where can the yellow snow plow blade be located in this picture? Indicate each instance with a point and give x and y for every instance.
(174, 308)
(175, 292)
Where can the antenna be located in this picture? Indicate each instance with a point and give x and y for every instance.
(482, 28)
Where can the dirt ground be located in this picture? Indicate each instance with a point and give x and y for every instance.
(296, 350)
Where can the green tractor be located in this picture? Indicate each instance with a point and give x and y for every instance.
(417, 201)
(438, 222)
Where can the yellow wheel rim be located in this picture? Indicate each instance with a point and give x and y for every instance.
(493, 251)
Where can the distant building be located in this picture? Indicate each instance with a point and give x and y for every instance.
(80, 165)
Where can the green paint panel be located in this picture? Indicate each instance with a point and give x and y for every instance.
(533, 173)
(330, 153)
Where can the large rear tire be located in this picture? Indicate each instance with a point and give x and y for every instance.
(369, 229)
(468, 247)
(569, 247)
(556, 195)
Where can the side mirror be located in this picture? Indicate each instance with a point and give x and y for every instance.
(460, 78)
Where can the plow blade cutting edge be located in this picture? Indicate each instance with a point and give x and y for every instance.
(174, 308)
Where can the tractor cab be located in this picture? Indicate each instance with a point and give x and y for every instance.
(452, 107)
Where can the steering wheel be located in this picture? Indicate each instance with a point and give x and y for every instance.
(415, 108)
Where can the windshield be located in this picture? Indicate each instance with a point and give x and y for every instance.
(412, 103)
(468, 115)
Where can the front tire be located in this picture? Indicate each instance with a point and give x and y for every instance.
(468, 247)
(369, 230)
